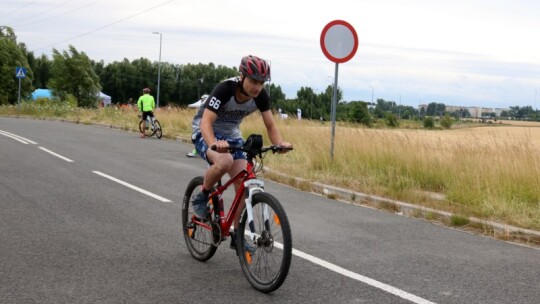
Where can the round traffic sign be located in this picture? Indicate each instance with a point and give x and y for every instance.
(339, 41)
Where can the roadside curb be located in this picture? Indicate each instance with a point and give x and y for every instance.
(184, 140)
(494, 229)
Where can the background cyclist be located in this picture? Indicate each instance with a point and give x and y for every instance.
(218, 123)
(146, 105)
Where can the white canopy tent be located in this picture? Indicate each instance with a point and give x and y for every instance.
(104, 99)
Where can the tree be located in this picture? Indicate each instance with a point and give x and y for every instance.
(121, 80)
(13, 55)
(436, 109)
(194, 80)
(72, 74)
(179, 84)
(325, 100)
(407, 112)
(358, 112)
(525, 112)
(275, 93)
(306, 98)
(42, 71)
(383, 107)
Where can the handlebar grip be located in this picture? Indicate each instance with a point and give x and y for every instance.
(279, 148)
(214, 148)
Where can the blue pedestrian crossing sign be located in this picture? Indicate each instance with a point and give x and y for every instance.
(20, 72)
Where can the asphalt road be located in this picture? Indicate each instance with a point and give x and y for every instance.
(90, 214)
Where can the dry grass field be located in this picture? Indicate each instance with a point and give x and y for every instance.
(490, 172)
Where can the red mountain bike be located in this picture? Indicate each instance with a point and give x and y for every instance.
(263, 224)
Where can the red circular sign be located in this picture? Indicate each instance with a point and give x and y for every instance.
(339, 41)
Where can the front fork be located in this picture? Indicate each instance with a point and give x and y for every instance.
(254, 186)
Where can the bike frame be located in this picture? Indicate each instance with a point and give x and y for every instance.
(249, 181)
(151, 120)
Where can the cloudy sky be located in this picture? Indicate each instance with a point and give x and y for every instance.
(461, 52)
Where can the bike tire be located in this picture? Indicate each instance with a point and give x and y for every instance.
(199, 239)
(266, 269)
(157, 129)
(148, 132)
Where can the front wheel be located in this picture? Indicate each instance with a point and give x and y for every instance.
(265, 260)
(157, 129)
(199, 236)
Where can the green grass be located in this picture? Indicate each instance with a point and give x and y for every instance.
(458, 220)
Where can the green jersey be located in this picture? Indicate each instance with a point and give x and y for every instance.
(146, 103)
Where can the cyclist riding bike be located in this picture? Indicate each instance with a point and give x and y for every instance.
(146, 105)
(217, 125)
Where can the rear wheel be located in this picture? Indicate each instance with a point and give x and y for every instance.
(157, 129)
(266, 267)
(198, 235)
(148, 130)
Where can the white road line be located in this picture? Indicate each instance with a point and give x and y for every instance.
(57, 155)
(25, 141)
(160, 198)
(390, 289)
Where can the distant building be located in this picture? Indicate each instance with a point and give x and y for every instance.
(476, 112)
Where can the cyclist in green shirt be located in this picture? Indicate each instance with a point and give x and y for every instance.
(146, 105)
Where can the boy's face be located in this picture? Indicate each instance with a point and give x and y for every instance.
(253, 87)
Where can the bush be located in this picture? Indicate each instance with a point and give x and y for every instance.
(429, 123)
(391, 120)
(446, 122)
(71, 100)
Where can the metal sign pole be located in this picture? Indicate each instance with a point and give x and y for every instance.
(334, 106)
(19, 98)
(20, 72)
(338, 43)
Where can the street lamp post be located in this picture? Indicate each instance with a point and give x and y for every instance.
(371, 94)
(159, 67)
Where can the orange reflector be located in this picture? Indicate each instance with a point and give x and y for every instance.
(276, 219)
(248, 257)
(190, 232)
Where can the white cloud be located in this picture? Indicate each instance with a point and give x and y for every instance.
(463, 52)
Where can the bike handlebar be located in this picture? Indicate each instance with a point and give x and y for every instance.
(274, 149)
